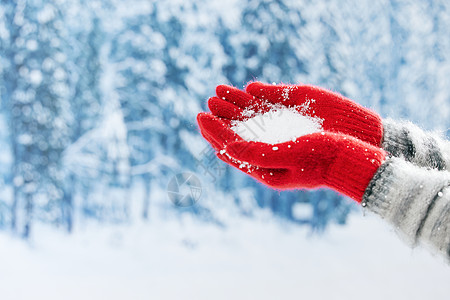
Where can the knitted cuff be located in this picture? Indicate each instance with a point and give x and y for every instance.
(415, 200)
(353, 168)
(424, 149)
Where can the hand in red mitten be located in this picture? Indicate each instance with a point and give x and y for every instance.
(344, 156)
(339, 114)
(338, 161)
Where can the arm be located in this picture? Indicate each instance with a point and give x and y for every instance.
(411, 189)
(416, 201)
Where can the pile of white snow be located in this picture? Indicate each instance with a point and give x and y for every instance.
(280, 124)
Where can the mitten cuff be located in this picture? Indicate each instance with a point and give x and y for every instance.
(354, 167)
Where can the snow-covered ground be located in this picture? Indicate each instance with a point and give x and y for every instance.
(249, 259)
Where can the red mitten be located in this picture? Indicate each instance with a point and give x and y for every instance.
(338, 161)
(339, 113)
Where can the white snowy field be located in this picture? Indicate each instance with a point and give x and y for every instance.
(250, 259)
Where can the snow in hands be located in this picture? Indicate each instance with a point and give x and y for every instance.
(278, 125)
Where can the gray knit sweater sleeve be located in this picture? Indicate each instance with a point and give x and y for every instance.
(424, 149)
(415, 200)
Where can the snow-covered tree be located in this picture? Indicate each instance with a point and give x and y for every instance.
(37, 97)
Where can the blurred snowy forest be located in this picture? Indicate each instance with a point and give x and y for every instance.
(99, 98)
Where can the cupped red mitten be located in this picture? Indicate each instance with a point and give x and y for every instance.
(341, 162)
(339, 114)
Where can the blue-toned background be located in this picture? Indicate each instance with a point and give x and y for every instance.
(99, 100)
